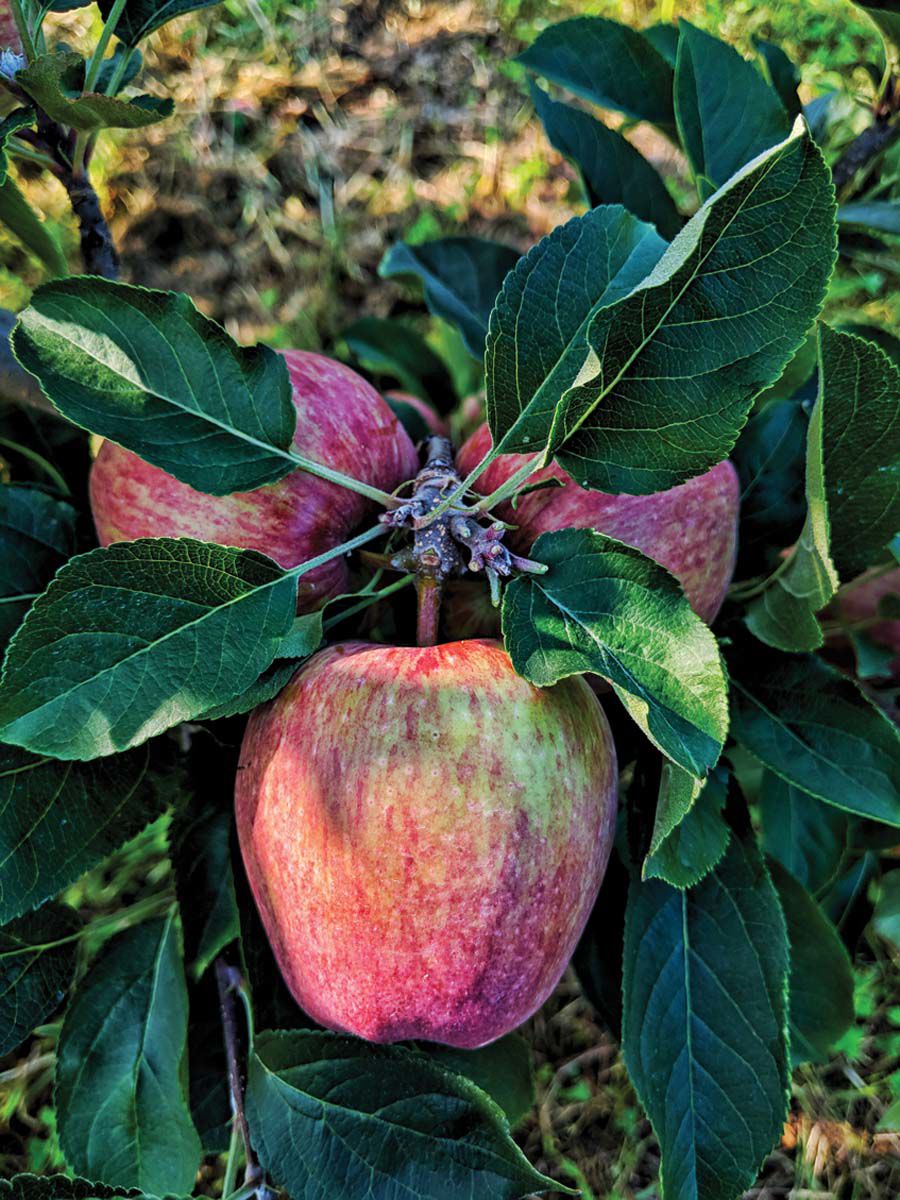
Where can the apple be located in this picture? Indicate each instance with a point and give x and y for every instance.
(433, 420)
(342, 422)
(425, 833)
(690, 529)
(861, 604)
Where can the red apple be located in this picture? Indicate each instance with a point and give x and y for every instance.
(434, 422)
(342, 422)
(425, 833)
(861, 604)
(691, 529)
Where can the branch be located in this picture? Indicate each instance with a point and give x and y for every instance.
(229, 981)
(862, 150)
(97, 250)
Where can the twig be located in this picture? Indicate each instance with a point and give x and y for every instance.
(228, 981)
(97, 250)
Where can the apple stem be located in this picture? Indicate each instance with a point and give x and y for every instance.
(429, 591)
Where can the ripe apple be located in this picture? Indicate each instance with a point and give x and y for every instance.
(342, 422)
(434, 422)
(861, 604)
(690, 529)
(425, 833)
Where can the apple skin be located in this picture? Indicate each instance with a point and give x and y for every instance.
(861, 603)
(434, 422)
(341, 421)
(425, 833)
(690, 529)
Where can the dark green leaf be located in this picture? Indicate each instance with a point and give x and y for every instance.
(37, 535)
(503, 1070)
(705, 1023)
(132, 639)
(119, 1080)
(880, 216)
(697, 841)
(149, 371)
(51, 81)
(111, 65)
(886, 15)
(19, 119)
(816, 729)
(461, 277)
(727, 114)
(861, 446)
(807, 837)
(61, 1187)
(409, 417)
(613, 171)
(783, 75)
(651, 389)
(887, 908)
(143, 17)
(208, 1066)
(57, 820)
(201, 854)
(37, 960)
(608, 64)
(821, 989)
(889, 342)
(24, 223)
(329, 1115)
(604, 608)
(663, 37)
(391, 350)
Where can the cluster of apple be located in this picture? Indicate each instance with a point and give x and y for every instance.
(425, 832)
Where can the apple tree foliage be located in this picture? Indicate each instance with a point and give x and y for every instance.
(638, 344)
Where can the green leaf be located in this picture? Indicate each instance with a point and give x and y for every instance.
(390, 349)
(885, 15)
(607, 63)
(705, 1023)
(727, 114)
(62, 1187)
(880, 216)
(132, 639)
(613, 171)
(784, 615)
(816, 729)
(330, 1115)
(37, 535)
(57, 820)
(782, 74)
(503, 1070)
(201, 855)
(861, 447)
(663, 36)
(37, 961)
(821, 988)
(698, 839)
(887, 909)
(149, 371)
(25, 224)
(19, 119)
(604, 608)
(111, 65)
(119, 1082)
(807, 837)
(650, 389)
(143, 17)
(54, 82)
(461, 277)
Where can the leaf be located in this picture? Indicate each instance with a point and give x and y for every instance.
(503, 1070)
(143, 17)
(604, 608)
(37, 961)
(807, 837)
(613, 171)
(132, 639)
(880, 216)
(392, 350)
(726, 112)
(25, 224)
(111, 65)
(784, 615)
(885, 15)
(821, 988)
(816, 729)
(663, 36)
(201, 854)
(678, 790)
(861, 447)
(330, 1115)
(52, 78)
(461, 277)
(782, 74)
(705, 1023)
(693, 846)
(57, 820)
(607, 63)
(149, 371)
(887, 909)
(15, 122)
(62, 1187)
(37, 535)
(652, 387)
(119, 1084)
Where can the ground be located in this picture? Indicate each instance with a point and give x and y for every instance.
(307, 138)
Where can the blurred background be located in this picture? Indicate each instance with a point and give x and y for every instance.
(308, 136)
